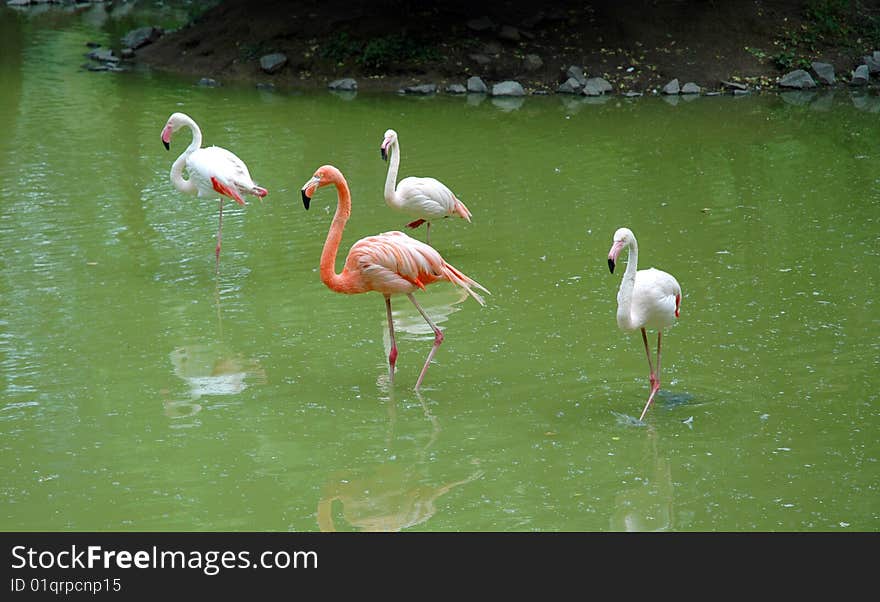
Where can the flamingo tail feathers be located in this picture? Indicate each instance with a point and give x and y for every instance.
(465, 282)
(461, 210)
(229, 191)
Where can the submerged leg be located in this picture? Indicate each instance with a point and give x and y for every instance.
(655, 378)
(392, 355)
(438, 338)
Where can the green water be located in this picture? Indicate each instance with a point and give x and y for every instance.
(142, 391)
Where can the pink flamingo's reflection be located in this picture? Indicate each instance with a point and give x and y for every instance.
(389, 496)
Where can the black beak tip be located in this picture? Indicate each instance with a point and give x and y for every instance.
(611, 265)
(167, 146)
(306, 199)
(384, 154)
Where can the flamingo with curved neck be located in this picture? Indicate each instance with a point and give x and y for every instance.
(212, 170)
(391, 263)
(647, 299)
(424, 198)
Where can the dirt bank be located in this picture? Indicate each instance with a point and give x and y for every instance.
(636, 45)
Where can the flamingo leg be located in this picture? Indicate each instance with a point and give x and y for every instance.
(655, 378)
(428, 234)
(438, 338)
(392, 355)
(219, 233)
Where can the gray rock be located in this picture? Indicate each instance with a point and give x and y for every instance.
(873, 62)
(508, 88)
(569, 86)
(272, 63)
(141, 36)
(481, 24)
(672, 87)
(532, 62)
(690, 88)
(509, 33)
(734, 85)
(860, 76)
(631, 94)
(476, 86)
(481, 59)
(591, 89)
(208, 82)
(824, 72)
(344, 84)
(578, 74)
(600, 84)
(103, 54)
(712, 93)
(798, 79)
(422, 89)
(455, 89)
(738, 92)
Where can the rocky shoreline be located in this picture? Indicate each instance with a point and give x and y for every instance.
(564, 49)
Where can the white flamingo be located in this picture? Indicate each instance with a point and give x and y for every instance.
(212, 170)
(647, 299)
(426, 199)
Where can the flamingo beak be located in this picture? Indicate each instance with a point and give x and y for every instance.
(309, 189)
(613, 253)
(384, 149)
(166, 137)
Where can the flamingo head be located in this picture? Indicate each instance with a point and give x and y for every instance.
(390, 138)
(326, 174)
(623, 237)
(174, 123)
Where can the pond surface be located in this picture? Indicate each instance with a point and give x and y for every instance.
(142, 390)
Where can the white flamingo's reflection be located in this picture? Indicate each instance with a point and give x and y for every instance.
(389, 496)
(647, 506)
(209, 369)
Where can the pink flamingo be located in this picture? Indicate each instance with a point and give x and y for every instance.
(647, 299)
(424, 198)
(390, 263)
(212, 170)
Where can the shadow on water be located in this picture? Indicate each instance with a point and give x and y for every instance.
(394, 494)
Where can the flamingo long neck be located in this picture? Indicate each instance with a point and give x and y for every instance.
(334, 281)
(625, 294)
(391, 179)
(177, 167)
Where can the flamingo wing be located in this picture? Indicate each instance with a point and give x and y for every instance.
(215, 169)
(394, 263)
(426, 198)
(656, 299)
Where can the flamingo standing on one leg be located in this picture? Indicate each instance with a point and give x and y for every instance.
(647, 299)
(424, 198)
(389, 263)
(212, 170)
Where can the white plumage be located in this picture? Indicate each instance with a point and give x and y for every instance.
(425, 199)
(647, 299)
